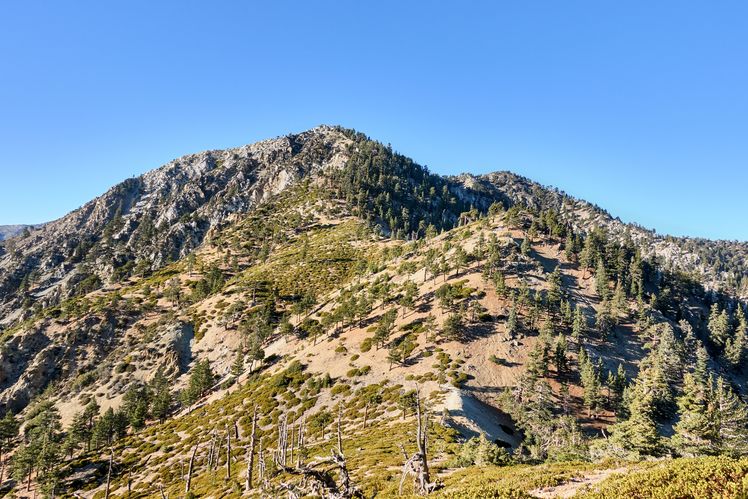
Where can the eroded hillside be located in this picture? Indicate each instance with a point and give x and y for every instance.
(335, 289)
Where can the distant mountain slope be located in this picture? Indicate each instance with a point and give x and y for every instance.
(7, 231)
(162, 215)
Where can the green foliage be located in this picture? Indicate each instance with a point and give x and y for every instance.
(481, 452)
(714, 477)
(201, 379)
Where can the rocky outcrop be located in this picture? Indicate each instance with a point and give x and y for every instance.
(159, 216)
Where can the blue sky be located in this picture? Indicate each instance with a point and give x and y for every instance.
(640, 107)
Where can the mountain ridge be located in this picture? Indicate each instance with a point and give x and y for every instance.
(322, 273)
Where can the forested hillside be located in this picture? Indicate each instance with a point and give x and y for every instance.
(319, 316)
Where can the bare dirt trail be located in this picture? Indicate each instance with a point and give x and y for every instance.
(575, 485)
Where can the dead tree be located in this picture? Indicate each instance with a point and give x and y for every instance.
(190, 468)
(279, 456)
(109, 473)
(317, 478)
(417, 464)
(228, 453)
(261, 463)
(301, 441)
(251, 452)
(212, 451)
(293, 428)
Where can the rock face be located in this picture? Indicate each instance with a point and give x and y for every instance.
(159, 216)
(720, 264)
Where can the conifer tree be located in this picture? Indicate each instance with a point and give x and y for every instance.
(559, 356)
(695, 431)
(579, 326)
(638, 433)
(735, 347)
(554, 290)
(512, 322)
(525, 247)
(590, 376)
(237, 368)
(601, 279)
(731, 415)
(719, 325)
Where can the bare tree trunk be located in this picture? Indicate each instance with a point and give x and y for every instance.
(417, 464)
(251, 453)
(189, 469)
(212, 451)
(228, 453)
(301, 441)
(109, 474)
(293, 429)
(261, 462)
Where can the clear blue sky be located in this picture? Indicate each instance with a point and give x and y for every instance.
(640, 107)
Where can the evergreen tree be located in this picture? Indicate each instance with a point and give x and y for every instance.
(590, 377)
(201, 379)
(619, 300)
(731, 415)
(638, 434)
(579, 326)
(525, 247)
(735, 347)
(601, 279)
(452, 327)
(695, 431)
(459, 258)
(136, 405)
(162, 397)
(237, 368)
(384, 328)
(617, 385)
(604, 321)
(719, 325)
(554, 290)
(559, 356)
(512, 322)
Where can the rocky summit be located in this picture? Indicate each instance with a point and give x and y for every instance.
(317, 315)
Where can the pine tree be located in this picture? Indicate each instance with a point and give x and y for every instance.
(162, 397)
(619, 300)
(719, 325)
(590, 377)
(567, 315)
(569, 248)
(512, 322)
(601, 280)
(554, 290)
(638, 434)
(201, 379)
(731, 414)
(459, 258)
(735, 347)
(604, 321)
(617, 385)
(579, 326)
(559, 356)
(695, 431)
(500, 283)
(384, 328)
(452, 327)
(525, 247)
(237, 368)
